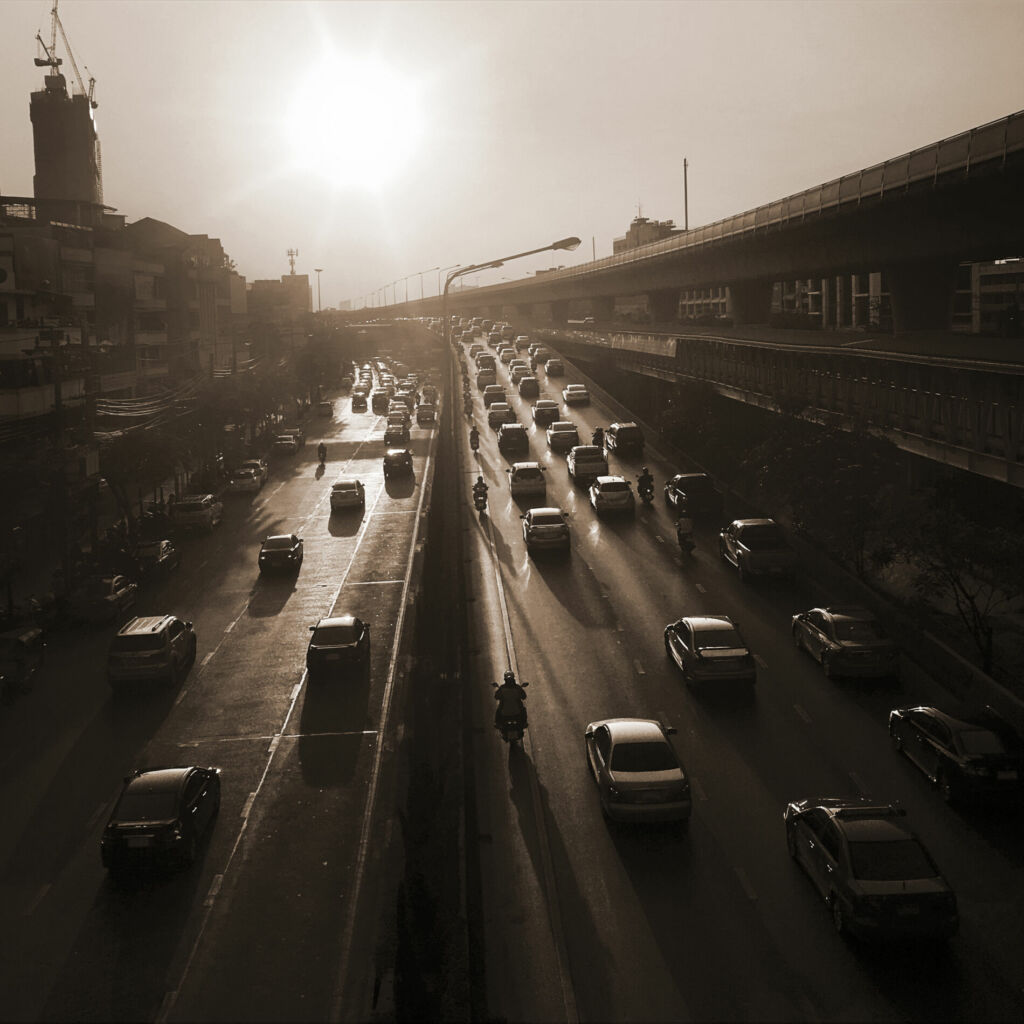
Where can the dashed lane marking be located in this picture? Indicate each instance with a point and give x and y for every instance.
(37, 899)
(760, 661)
(218, 881)
(206, 659)
(745, 882)
(802, 714)
(247, 806)
(230, 626)
(700, 587)
(639, 668)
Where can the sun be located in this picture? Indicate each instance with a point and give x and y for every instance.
(354, 121)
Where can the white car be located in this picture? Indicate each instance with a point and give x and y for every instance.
(245, 480)
(347, 492)
(286, 443)
(575, 394)
(506, 355)
(612, 494)
(545, 528)
(261, 469)
(198, 510)
(526, 478)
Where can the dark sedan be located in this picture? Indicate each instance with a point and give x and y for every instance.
(160, 817)
(157, 556)
(694, 493)
(397, 462)
(710, 649)
(282, 552)
(848, 641)
(964, 757)
(337, 645)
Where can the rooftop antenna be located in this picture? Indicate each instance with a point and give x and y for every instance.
(292, 254)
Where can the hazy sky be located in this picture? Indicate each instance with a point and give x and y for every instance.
(380, 139)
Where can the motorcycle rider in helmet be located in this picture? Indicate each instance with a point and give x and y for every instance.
(474, 438)
(321, 450)
(684, 530)
(645, 481)
(511, 699)
(480, 488)
(598, 437)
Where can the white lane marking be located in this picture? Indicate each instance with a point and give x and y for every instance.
(247, 806)
(658, 537)
(802, 714)
(700, 587)
(745, 882)
(206, 660)
(211, 895)
(639, 668)
(760, 661)
(859, 783)
(698, 788)
(181, 696)
(373, 583)
(230, 626)
(37, 899)
(295, 690)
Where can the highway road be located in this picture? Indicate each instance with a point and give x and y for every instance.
(257, 929)
(584, 920)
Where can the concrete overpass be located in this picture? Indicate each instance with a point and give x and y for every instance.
(914, 218)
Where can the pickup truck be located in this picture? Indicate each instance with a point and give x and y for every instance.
(757, 548)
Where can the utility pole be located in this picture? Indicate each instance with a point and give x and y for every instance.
(686, 197)
(318, 271)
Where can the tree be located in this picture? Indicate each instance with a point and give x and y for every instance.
(137, 458)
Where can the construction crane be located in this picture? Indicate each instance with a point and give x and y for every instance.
(51, 60)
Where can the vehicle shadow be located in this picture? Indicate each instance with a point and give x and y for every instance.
(270, 594)
(346, 523)
(400, 487)
(333, 724)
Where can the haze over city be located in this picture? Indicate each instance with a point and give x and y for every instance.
(383, 139)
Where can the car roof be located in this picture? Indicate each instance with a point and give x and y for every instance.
(610, 480)
(193, 499)
(633, 730)
(541, 509)
(562, 425)
(545, 402)
(339, 620)
(709, 622)
(280, 536)
(848, 611)
(586, 449)
(619, 426)
(142, 624)
(525, 465)
(955, 724)
(158, 780)
(754, 522)
(396, 452)
(348, 481)
(509, 428)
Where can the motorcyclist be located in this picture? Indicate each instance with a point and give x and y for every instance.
(474, 438)
(511, 698)
(645, 482)
(321, 450)
(480, 489)
(598, 437)
(684, 530)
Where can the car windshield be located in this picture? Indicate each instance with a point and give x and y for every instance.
(628, 434)
(858, 629)
(332, 635)
(589, 452)
(611, 486)
(277, 543)
(763, 538)
(146, 806)
(547, 519)
(136, 642)
(533, 473)
(893, 861)
(642, 757)
(345, 486)
(563, 428)
(724, 637)
(981, 741)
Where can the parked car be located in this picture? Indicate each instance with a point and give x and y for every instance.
(612, 494)
(397, 462)
(298, 433)
(545, 412)
(161, 817)
(282, 551)
(545, 528)
(156, 557)
(326, 408)
(102, 598)
(562, 436)
(848, 641)
(756, 547)
(968, 759)
(873, 873)
(347, 492)
(512, 438)
(638, 775)
(288, 444)
(625, 439)
(709, 649)
(693, 493)
(585, 463)
(259, 467)
(526, 478)
(337, 645)
(575, 394)
(151, 647)
(245, 480)
(198, 511)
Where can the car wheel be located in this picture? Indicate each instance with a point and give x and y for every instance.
(838, 918)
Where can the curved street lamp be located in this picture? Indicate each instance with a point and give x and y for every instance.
(568, 244)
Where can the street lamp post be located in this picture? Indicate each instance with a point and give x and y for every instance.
(444, 270)
(318, 271)
(562, 243)
(421, 273)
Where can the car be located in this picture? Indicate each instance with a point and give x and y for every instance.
(693, 493)
(486, 361)
(161, 817)
(289, 444)
(297, 432)
(625, 439)
(508, 332)
(562, 436)
(397, 462)
(554, 368)
(756, 547)
(337, 644)
(486, 377)
(102, 598)
(967, 758)
(396, 433)
(507, 354)
(475, 349)
(710, 650)
(195, 511)
(500, 413)
(526, 478)
(426, 415)
(358, 402)
(545, 528)
(575, 394)
(872, 871)
(512, 438)
(585, 463)
(529, 387)
(545, 412)
(429, 394)
(149, 647)
(398, 412)
(494, 393)
(281, 551)
(326, 408)
(245, 480)
(156, 557)
(517, 373)
(261, 469)
(379, 401)
(347, 492)
(347, 381)
(612, 494)
(848, 641)
(407, 397)
(638, 774)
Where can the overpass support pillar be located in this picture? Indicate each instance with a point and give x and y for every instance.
(602, 309)
(751, 301)
(560, 311)
(663, 305)
(921, 295)
(524, 310)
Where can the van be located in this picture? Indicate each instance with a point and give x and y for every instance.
(151, 647)
(625, 439)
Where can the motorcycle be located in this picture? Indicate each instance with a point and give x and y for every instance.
(480, 501)
(597, 438)
(512, 727)
(323, 455)
(686, 542)
(474, 439)
(646, 491)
